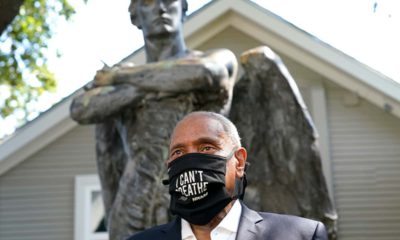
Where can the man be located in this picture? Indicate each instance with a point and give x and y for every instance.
(206, 178)
(136, 107)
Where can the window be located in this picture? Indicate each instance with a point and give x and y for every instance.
(89, 209)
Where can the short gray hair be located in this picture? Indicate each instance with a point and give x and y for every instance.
(229, 128)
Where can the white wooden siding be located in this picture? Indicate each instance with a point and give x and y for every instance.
(365, 144)
(37, 196)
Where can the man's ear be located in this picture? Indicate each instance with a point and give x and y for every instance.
(241, 157)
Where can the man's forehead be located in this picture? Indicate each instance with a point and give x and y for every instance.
(198, 127)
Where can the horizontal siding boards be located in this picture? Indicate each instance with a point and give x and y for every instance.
(37, 196)
(365, 146)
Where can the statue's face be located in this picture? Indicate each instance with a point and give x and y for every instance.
(158, 17)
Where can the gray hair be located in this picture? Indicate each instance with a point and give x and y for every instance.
(229, 128)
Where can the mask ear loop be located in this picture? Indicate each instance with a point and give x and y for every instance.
(241, 184)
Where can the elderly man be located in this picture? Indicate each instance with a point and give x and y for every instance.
(206, 169)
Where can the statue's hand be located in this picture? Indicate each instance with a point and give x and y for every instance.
(104, 77)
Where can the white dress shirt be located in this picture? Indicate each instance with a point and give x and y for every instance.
(226, 229)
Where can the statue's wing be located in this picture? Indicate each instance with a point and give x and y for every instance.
(285, 173)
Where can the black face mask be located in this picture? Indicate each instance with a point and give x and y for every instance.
(197, 187)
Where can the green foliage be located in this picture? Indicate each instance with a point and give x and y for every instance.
(24, 73)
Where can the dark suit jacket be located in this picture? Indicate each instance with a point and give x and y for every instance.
(252, 226)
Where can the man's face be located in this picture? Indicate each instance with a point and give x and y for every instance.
(158, 17)
(201, 134)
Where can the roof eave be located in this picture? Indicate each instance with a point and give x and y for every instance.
(36, 135)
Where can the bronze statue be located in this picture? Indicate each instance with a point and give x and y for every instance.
(136, 107)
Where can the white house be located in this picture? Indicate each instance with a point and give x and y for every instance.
(48, 183)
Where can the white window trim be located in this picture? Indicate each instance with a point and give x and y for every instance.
(84, 186)
(319, 113)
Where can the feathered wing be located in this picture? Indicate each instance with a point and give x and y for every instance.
(285, 175)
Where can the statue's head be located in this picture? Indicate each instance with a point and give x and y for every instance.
(158, 16)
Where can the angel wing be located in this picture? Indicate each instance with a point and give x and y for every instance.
(285, 175)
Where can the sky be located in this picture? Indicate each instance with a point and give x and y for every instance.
(101, 33)
(371, 35)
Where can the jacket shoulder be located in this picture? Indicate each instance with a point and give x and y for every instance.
(287, 225)
(153, 233)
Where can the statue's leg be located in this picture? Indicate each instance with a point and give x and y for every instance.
(142, 201)
(140, 196)
(110, 161)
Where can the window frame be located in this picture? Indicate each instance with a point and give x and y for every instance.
(85, 185)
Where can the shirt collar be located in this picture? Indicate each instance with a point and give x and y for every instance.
(230, 222)
(186, 230)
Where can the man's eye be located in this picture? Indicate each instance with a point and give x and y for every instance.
(206, 148)
(176, 153)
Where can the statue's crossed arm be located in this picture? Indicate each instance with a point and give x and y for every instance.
(115, 88)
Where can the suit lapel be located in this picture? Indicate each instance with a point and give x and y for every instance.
(172, 231)
(247, 225)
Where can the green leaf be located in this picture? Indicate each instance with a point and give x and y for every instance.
(29, 34)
